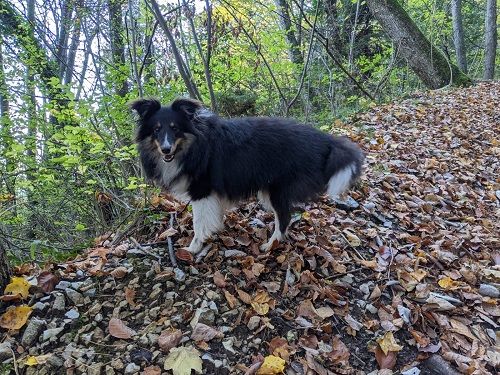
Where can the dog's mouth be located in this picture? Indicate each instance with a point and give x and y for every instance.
(169, 157)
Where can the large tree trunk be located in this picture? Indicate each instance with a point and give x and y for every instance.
(428, 62)
(490, 39)
(286, 24)
(117, 44)
(4, 268)
(458, 34)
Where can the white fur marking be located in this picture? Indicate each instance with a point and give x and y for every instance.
(340, 181)
(166, 143)
(265, 200)
(208, 215)
(277, 235)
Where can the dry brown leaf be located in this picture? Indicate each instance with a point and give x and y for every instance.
(16, 317)
(202, 332)
(47, 281)
(387, 361)
(231, 300)
(117, 328)
(169, 339)
(167, 233)
(219, 279)
(388, 343)
(244, 296)
(119, 272)
(152, 370)
(340, 353)
(130, 296)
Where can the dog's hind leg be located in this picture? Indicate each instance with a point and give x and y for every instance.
(282, 215)
(208, 215)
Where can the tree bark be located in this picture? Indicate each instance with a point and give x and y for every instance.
(458, 34)
(116, 31)
(4, 268)
(286, 24)
(490, 39)
(428, 62)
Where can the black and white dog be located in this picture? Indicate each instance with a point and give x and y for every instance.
(216, 162)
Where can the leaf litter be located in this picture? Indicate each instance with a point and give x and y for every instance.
(409, 272)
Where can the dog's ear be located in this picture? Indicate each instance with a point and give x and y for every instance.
(145, 107)
(187, 106)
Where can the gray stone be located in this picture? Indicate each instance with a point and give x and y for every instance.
(436, 365)
(5, 351)
(59, 303)
(110, 370)
(90, 292)
(95, 368)
(180, 275)
(55, 361)
(50, 333)
(117, 364)
(489, 290)
(132, 368)
(63, 285)
(76, 285)
(135, 253)
(32, 331)
(40, 307)
(72, 314)
(74, 296)
(346, 204)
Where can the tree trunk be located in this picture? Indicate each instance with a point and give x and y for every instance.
(181, 65)
(117, 45)
(490, 39)
(4, 268)
(286, 24)
(458, 34)
(428, 62)
(63, 37)
(75, 42)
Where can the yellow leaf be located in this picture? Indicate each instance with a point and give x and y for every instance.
(272, 365)
(353, 240)
(388, 343)
(261, 302)
(38, 360)
(16, 317)
(18, 285)
(448, 283)
(182, 360)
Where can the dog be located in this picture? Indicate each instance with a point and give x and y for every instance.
(215, 162)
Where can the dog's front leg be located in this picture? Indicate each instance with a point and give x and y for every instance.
(207, 219)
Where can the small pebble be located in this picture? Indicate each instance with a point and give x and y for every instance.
(489, 290)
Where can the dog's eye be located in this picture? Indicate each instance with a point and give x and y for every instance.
(173, 127)
(157, 130)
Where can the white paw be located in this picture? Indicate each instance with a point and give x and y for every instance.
(195, 246)
(269, 245)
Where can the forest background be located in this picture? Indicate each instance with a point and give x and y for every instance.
(68, 68)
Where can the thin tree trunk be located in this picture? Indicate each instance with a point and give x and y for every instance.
(186, 77)
(458, 34)
(205, 60)
(4, 268)
(286, 24)
(353, 37)
(75, 42)
(428, 62)
(116, 31)
(30, 143)
(490, 39)
(63, 37)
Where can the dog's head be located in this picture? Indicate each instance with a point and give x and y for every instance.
(168, 129)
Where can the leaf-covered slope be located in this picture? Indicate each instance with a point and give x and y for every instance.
(407, 268)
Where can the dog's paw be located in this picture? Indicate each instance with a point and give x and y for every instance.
(195, 246)
(270, 245)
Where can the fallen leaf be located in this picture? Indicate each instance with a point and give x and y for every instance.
(16, 317)
(184, 255)
(231, 300)
(169, 339)
(182, 360)
(219, 279)
(152, 370)
(340, 353)
(272, 365)
(244, 296)
(387, 361)
(18, 286)
(117, 328)
(47, 281)
(261, 302)
(202, 332)
(168, 233)
(388, 343)
(37, 360)
(353, 240)
(130, 296)
(119, 272)
(279, 347)
(448, 283)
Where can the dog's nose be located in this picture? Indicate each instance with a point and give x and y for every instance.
(166, 150)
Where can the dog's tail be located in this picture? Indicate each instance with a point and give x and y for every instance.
(343, 166)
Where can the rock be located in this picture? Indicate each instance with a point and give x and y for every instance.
(347, 204)
(109, 370)
(117, 364)
(40, 307)
(72, 314)
(75, 297)
(59, 303)
(489, 290)
(179, 275)
(132, 368)
(135, 253)
(55, 361)
(5, 351)
(90, 292)
(63, 285)
(253, 322)
(95, 368)
(234, 253)
(32, 332)
(436, 365)
(50, 333)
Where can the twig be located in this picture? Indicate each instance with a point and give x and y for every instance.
(346, 240)
(171, 253)
(145, 249)
(15, 361)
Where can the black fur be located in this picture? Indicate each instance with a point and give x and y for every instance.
(236, 158)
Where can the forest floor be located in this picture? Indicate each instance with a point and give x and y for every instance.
(401, 276)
